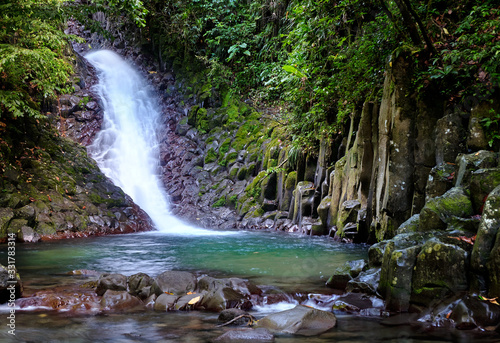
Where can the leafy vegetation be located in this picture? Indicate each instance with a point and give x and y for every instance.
(35, 59)
(318, 60)
(314, 61)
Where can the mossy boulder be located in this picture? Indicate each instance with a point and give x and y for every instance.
(411, 225)
(438, 211)
(440, 180)
(483, 181)
(468, 163)
(324, 209)
(486, 250)
(440, 271)
(396, 276)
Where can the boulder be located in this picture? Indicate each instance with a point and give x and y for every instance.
(165, 302)
(232, 313)
(365, 282)
(176, 282)
(489, 224)
(440, 180)
(440, 271)
(346, 273)
(468, 163)
(409, 226)
(471, 312)
(483, 181)
(28, 235)
(120, 301)
(487, 232)
(114, 282)
(396, 276)
(140, 284)
(300, 320)
(188, 301)
(438, 211)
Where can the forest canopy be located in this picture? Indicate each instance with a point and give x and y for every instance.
(317, 60)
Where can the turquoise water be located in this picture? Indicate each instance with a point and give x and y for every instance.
(291, 263)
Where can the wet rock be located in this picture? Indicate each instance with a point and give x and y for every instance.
(114, 282)
(27, 234)
(440, 271)
(376, 254)
(476, 138)
(471, 312)
(301, 320)
(483, 181)
(409, 226)
(470, 162)
(221, 298)
(365, 282)
(438, 211)
(324, 209)
(188, 301)
(487, 232)
(139, 285)
(490, 222)
(440, 180)
(176, 282)
(8, 275)
(396, 276)
(246, 335)
(120, 301)
(304, 201)
(346, 273)
(232, 313)
(165, 302)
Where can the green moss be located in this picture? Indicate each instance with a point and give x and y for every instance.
(232, 156)
(219, 203)
(291, 180)
(233, 172)
(224, 148)
(183, 121)
(211, 156)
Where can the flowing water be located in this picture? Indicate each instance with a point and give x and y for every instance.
(127, 151)
(127, 148)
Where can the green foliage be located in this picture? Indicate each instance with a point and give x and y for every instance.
(33, 65)
(491, 127)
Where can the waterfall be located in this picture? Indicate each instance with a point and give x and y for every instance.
(127, 147)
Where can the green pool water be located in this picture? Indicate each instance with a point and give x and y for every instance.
(290, 262)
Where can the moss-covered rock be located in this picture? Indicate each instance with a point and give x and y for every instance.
(438, 211)
(440, 271)
(483, 181)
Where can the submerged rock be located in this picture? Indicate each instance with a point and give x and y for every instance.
(301, 320)
(246, 335)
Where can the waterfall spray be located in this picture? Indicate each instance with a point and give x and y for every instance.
(127, 148)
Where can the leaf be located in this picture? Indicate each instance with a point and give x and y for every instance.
(294, 71)
(194, 300)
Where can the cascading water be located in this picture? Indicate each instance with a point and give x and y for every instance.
(127, 148)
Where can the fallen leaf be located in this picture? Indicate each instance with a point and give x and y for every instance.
(194, 300)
